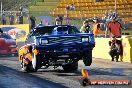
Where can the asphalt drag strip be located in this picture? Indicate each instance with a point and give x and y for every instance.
(11, 75)
(11, 78)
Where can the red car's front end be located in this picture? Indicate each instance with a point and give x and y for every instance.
(8, 46)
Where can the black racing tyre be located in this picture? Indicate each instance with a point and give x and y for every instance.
(29, 67)
(25, 68)
(87, 59)
(36, 62)
(71, 66)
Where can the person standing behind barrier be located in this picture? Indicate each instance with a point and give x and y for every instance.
(72, 7)
(20, 19)
(11, 19)
(61, 19)
(85, 27)
(114, 27)
(68, 20)
(33, 23)
(116, 48)
(3, 19)
(58, 20)
(96, 27)
(67, 9)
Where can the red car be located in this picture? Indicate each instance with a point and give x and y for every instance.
(8, 45)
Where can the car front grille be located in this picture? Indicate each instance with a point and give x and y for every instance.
(65, 40)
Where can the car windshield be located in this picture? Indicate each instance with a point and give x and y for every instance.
(6, 36)
(67, 30)
(48, 30)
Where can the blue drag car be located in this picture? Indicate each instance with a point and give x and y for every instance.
(58, 45)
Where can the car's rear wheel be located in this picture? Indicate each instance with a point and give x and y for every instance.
(23, 65)
(73, 66)
(26, 67)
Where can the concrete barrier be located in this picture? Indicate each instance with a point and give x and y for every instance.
(127, 49)
(101, 48)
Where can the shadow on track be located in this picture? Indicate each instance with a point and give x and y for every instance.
(13, 76)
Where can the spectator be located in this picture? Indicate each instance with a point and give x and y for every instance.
(96, 27)
(11, 19)
(72, 7)
(18, 13)
(58, 20)
(3, 19)
(110, 15)
(114, 27)
(20, 19)
(114, 14)
(25, 12)
(61, 19)
(20, 9)
(67, 7)
(85, 28)
(68, 20)
(32, 20)
(104, 23)
(115, 48)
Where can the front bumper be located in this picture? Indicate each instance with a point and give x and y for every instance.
(64, 51)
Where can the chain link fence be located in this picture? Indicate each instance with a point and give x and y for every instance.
(69, 18)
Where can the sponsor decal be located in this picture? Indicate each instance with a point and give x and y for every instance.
(18, 32)
(85, 81)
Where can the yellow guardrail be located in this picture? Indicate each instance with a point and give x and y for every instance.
(101, 48)
(18, 32)
(127, 49)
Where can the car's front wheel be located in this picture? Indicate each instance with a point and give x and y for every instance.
(33, 65)
(27, 67)
(87, 58)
